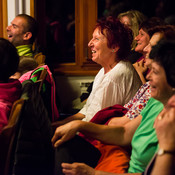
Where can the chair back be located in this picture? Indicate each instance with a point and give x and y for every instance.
(40, 58)
(7, 137)
(31, 147)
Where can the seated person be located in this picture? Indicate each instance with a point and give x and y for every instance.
(139, 130)
(133, 19)
(22, 33)
(163, 31)
(164, 160)
(142, 41)
(26, 64)
(117, 81)
(10, 89)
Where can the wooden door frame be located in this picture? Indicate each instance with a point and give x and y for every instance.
(3, 18)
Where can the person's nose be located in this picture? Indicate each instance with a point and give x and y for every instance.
(137, 38)
(8, 27)
(148, 76)
(90, 43)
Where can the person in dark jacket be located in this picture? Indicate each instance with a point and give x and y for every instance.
(10, 89)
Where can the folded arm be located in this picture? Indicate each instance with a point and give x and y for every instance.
(117, 135)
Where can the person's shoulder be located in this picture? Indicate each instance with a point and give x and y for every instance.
(125, 67)
(153, 102)
(125, 63)
(100, 72)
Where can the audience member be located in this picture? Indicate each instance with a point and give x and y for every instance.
(139, 130)
(166, 32)
(117, 81)
(22, 33)
(160, 31)
(142, 41)
(10, 89)
(133, 19)
(163, 161)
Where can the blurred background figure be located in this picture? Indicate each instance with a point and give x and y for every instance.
(133, 20)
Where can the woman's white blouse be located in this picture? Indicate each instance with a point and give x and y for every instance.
(117, 86)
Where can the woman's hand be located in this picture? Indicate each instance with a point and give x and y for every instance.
(171, 101)
(165, 127)
(65, 132)
(140, 67)
(77, 169)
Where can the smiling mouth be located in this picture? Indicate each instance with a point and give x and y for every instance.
(9, 36)
(93, 51)
(153, 87)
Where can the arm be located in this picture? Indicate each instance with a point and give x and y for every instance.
(164, 165)
(77, 116)
(81, 168)
(119, 121)
(165, 129)
(121, 135)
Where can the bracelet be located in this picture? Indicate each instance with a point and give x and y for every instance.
(161, 151)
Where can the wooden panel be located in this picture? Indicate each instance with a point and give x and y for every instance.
(3, 18)
(1, 26)
(32, 8)
(85, 19)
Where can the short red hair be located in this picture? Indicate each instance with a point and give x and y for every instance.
(117, 35)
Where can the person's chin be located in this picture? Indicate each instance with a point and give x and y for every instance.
(154, 95)
(94, 59)
(10, 40)
(139, 50)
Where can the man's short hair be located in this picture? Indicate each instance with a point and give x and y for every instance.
(30, 26)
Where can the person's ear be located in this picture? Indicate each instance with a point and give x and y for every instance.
(115, 49)
(27, 36)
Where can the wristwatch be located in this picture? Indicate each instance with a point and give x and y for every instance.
(161, 151)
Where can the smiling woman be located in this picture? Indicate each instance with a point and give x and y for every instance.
(161, 75)
(117, 81)
(108, 48)
(158, 82)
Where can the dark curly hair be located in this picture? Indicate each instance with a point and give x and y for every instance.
(9, 59)
(150, 23)
(117, 35)
(164, 54)
(168, 31)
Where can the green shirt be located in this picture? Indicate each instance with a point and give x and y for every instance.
(144, 142)
(25, 50)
